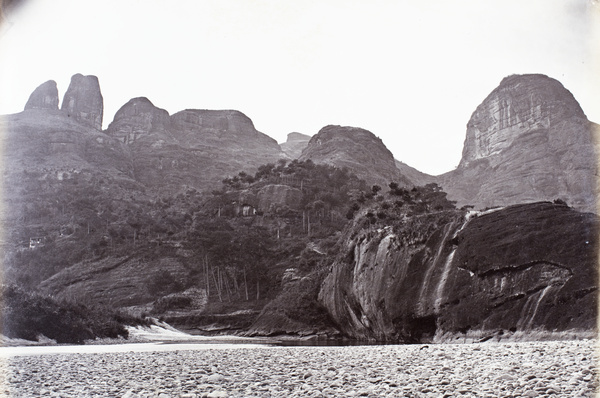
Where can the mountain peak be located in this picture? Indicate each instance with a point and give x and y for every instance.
(529, 140)
(357, 149)
(45, 96)
(83, 100)
(136, 119)
(521, 103)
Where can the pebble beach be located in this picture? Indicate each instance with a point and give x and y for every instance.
(512, 369)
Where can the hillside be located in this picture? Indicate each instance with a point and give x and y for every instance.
(207, 223)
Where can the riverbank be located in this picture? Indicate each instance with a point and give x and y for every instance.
(491, 369)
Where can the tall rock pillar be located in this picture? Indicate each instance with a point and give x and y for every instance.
(83, 101)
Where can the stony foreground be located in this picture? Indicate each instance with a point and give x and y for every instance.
(526, 369)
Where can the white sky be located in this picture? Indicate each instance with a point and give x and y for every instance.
(412, 72)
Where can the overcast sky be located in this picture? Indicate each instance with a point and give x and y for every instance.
(412, 72)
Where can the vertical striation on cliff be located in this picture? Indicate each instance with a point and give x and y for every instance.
(529, 140)
(452, 274)
(520, 104)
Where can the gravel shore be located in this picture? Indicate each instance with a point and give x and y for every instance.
(524, 369)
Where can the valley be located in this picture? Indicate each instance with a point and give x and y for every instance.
(202, 221)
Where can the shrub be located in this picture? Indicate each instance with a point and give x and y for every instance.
(29, 315)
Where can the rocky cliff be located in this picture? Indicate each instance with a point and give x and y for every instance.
(45, 96)
(168, 152)
(529, 140)
(83, 101)
(138, 120)
(358, 150)
(448, 275)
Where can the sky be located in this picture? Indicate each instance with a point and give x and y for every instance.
(412, 72)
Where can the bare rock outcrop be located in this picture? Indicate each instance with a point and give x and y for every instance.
(529, 140)
(201, 127)
(138, 119)
(192, 148)
(453, 275)
(45, 96)
(357, 149)
(83, 101)
(521, 103)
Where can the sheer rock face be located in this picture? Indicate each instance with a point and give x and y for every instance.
(357, 149)
(45, 96)
(519, 269)
(518, 105)
(529, 140)
(83, 101)
(295, 144)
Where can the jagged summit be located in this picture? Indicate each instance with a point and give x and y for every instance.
(83, 100)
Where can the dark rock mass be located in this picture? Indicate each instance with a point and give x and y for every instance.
(45, 96)
(295, 144)
(358, 150)
(529, 140)
(83, 101)
(438, 277)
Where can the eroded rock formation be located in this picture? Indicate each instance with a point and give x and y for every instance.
(83, 101)
(451, 275)
(138, 119)
(45, 96)
(194, 147)
(529, 140)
